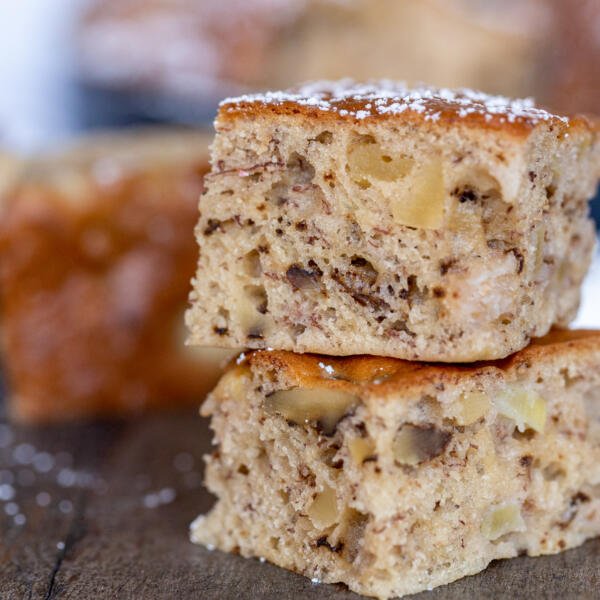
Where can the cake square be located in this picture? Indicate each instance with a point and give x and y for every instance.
(96, 256)
(395, 477)
(423, 224)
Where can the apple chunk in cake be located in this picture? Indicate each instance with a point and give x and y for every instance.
(394, 477)
(420, 224)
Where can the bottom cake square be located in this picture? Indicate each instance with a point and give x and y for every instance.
(394, 477)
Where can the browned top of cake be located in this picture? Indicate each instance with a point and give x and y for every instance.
(381, 375)
(346, 100)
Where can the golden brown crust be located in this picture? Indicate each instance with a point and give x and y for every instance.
(345, 101)
(379, 375)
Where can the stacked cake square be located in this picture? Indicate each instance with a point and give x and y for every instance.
(348, 231)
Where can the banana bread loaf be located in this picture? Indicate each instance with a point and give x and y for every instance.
(96, 256)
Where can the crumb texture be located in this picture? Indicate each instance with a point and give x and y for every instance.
(395, 478)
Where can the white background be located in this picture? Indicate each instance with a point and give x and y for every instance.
(589, 313)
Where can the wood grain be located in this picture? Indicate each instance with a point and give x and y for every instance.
(114, 543)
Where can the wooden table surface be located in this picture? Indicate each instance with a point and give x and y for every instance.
(102, 511)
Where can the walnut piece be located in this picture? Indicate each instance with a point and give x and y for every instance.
(324, 406)
(303, 279)
(414, 444)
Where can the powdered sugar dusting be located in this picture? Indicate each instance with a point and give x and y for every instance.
(362, 101)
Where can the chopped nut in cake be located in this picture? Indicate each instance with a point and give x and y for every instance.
(395, 477)
(424, 224)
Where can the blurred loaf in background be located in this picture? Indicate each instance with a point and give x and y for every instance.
(9, 169)
(96, 256)
(96, 242)
(202, 50)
